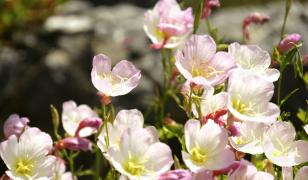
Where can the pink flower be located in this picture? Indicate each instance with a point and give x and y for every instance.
(178, 174)
(79, 120)
(255, 18)
(209, 5)
(198, 62)
(167, 25)
(15, 125)
(116, 82)
(289, 42)
(75, 144)
(247, 171)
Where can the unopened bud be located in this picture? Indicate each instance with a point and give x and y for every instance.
(15, 125)
(208, 6)
(104, 99)
(289, 42)
(93, 123)
(74, 144)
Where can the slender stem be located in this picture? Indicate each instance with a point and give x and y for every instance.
(208, 25)
(97, 163)
(287, 10)
(198, 16)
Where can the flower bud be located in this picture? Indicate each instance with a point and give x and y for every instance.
(178, 174)
(74, 144)
(228, 169)
(234, 131)
(93, 123)
(209, 5)
(15, 125)
(289, 42)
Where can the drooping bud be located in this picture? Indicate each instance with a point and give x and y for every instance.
(215, 116)
(74, 144)
(289, 42)
(234, 131)
(93, 123)
(253, 18)
(209, 5)
(228, 169)
(15, 125)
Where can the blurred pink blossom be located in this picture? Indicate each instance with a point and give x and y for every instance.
(167, 25)
(15, 125)
(91, 123)
(289, 42)
(208, 6)
(116, 82)
(253, 18)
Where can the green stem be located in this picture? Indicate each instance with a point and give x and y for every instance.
(97, 163)
(198, 15)
(287, 10)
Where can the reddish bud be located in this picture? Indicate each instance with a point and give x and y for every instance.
(74, 144)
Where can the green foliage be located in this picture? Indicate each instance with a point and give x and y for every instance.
(16, 14)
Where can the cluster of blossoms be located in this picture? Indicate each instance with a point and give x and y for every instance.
(226, 96)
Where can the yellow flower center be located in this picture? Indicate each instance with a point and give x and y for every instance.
(242, 107)
(240, 140)
(24, 167)
(198, 156)
(204, 70)
(134, 167)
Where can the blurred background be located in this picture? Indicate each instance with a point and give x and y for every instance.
(46, 50)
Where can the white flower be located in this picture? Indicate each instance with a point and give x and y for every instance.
(251, 138)
(249, 96)
(73, 115)
(138, 157)
(125, 119)
(27, 157)
(206, 147)
(281, 148)
(253, 59)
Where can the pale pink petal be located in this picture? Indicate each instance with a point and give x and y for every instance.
(302, 173)
(221, 160)
(301, 155)
(129, 118)
(159, 157)
(287, 173)
(101, 64)
(192, 127)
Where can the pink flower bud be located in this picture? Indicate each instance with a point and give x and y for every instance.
(255, 18)
(234, 130)
(15, 125)
(289, 42)
(178, 174)
(74, 144)
(93, 123)
(209, 5)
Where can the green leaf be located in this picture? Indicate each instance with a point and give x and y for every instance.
(288, 96)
